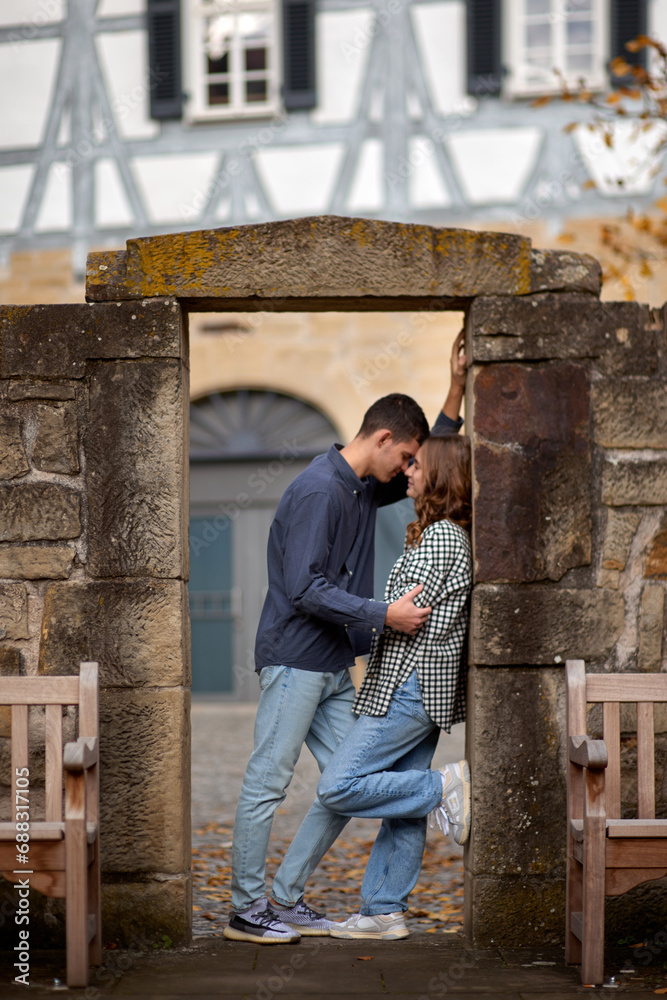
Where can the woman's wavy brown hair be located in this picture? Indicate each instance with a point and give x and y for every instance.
(446, 464)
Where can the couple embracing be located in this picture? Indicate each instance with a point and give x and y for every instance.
(374, 747)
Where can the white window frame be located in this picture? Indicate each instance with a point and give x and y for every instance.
(516, 82)
(196, 83)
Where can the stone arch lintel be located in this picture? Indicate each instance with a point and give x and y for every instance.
(332, 262)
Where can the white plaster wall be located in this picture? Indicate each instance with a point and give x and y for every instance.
(300, 179)
(112, 207)
(657, 19)
(367, 191)
(14, 186)
(31, 12)
(116, 8)
(493, 165)
(55, 213)
(426, 188)
(342, 53)
(124, 59)
(170, 184)
(628, 165)
(440, 29)
(27, 72)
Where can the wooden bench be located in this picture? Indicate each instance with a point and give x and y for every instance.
(63, 854)
(607, 855)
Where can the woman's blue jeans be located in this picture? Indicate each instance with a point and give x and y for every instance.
(295, 707)
(382, 769)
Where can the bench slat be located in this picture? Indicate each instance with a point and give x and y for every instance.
(636, 852)
(624, 828)
(645, 761)
(19, 751)
(626, 687)
(637, 828)
(43, 831)
(54, 763)
(39, 690)
(611, 721)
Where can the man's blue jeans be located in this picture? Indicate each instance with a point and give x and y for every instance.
(382, 769)
(295, 706)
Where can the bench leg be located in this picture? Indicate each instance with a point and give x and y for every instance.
(94, 907)
(76, 860)
(592, 966)
(573, 904)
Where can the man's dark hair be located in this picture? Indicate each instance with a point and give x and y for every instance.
(398, 414)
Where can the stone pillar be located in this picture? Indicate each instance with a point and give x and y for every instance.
(93, 550)
(566, 403)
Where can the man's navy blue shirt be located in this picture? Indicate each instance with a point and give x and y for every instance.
(318, 613)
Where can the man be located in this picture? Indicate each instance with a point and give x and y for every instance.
(318, 615)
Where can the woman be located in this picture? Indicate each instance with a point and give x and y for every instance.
(415, 686)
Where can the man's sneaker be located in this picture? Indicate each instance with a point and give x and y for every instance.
(383, 926)
(309, 923)
(260, 923)
(453, 812)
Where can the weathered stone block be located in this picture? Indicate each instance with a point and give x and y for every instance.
(136, 914)
(13, 461)
(634, 480)
(622, 336)
(30, 389)
(656, 555)
(619, 532)
(145, 780)
(517, 717)
(135, 630)
(562, 271)
(136, 469)
(630, 414)
(318, 258)
(36, 562)
(13, 611)
(56, 447)
(532, 471)
(608, 578)
(518, 625)
(56, 341)
(514, 912)
(106, 276)
(33, 511)
(10, 666)
(651, 622)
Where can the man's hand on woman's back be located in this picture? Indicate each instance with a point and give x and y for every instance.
(403, 614)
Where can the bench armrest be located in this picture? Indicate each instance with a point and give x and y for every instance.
(587, 752)
(81, 755)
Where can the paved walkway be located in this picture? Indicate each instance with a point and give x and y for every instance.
(222, 733)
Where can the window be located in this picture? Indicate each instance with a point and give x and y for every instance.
(232, 58)
(542, 35)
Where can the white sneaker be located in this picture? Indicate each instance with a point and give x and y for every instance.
(453, 812)
(382, 926)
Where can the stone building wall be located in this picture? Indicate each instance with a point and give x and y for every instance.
(93, 563)
(569, 400)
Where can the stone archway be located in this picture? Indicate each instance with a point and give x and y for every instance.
(559, 383)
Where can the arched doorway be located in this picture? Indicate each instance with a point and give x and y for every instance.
(246, 446)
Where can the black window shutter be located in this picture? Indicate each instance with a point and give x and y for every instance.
(628, 19)
(484, 51)
(298, 54)
(164, 55)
